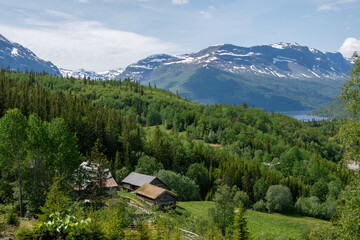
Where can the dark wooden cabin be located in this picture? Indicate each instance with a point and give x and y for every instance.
(154, 195)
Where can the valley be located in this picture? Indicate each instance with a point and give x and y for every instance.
(205, 124)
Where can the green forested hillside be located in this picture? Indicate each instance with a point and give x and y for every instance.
(335, 110)
(129, 127)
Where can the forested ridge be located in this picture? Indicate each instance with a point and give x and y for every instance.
(145, 129)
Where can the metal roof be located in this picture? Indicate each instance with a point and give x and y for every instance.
(138, 179)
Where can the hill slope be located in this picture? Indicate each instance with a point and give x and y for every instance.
(335, 110)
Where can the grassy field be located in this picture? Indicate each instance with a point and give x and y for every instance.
(272, 224)
(263, 224)
(194, 207)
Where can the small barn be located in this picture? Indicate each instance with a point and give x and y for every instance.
(154, 195)
(135, 180)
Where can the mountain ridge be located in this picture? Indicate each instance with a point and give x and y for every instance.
(17, 57)
(282, 76)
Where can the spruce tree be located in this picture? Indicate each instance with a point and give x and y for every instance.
(240, 225)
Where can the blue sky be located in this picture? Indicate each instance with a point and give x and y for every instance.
(109, 34)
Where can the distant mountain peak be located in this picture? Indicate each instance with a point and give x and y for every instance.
(284, 60)
(18, 57)
(81, 73)
(283, 45)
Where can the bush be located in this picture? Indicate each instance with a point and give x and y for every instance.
(6, 208)
(242, 198)
(24, 234)
(312, 207)
(12, 217)
(260, 206)
(116, 220)
(184, 187)
(62, 228)
(279, 199)
(309, 206)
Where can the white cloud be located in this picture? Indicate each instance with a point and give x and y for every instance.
(349, 46)
(205, 14)
(82, 1)
(179, 2)
(85, 44)
(58, 14)
(337, 5)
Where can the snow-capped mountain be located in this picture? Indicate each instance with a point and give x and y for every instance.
(143, 68)
(16, 57)
(281, 60)
(81, 73)
(281, 76)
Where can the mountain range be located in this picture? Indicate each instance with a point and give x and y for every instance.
(280, 77)
(81, 73)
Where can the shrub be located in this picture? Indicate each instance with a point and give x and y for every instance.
(11, 216)
(309, 206)
(184, 187)
(24, 234)
(116, 219)
(260, 206)
(242, 198)
(279, 199)
(62, 228)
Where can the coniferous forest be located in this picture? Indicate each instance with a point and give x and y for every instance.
(234, 156)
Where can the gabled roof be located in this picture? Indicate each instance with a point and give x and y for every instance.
(110, 182)
(138, 179)
(152, 191)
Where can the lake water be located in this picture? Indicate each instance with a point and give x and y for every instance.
(301, 115)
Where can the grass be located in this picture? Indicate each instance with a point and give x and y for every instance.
(133, 198)
(9, 230)
(194, 207)
(263, 224)
(293, 226)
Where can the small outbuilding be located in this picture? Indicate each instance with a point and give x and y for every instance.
(155, 195)
(89, 174)
(135, 180)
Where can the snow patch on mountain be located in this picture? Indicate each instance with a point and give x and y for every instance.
(81, 73)
(283, 59)
(15, 52)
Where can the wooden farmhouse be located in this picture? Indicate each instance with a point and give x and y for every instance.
(155, 195)
(135, 180)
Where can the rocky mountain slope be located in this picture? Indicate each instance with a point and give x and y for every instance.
(17, 57)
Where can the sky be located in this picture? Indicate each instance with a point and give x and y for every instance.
(100, 35)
